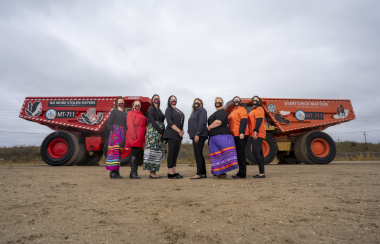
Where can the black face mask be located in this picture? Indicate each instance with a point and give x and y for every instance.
(255, 103)
(156, 101)
(197, 105)
(237, 103)
(218, 104)
(174, 102)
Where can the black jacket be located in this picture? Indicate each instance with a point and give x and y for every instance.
(173, 117)
(117, 117)
(154, 115)
(198, 123)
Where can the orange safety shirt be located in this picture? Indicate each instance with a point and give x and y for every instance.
(236, 115)
(252, 118)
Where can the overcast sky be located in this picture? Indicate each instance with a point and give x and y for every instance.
(282, 49)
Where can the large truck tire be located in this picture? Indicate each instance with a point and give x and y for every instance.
(60, 148)
(81, 154)
(94, 159)
(315, 147)
(125, 159)
(288, 159)
(91, 160)
(269, 150)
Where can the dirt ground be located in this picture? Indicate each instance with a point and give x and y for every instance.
(335, 203)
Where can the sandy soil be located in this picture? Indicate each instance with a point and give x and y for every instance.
(336, 203)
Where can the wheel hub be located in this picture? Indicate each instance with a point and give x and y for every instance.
(320, 147)
(57, 148)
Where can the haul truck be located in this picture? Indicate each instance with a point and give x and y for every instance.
(295, 127)
(80, 134)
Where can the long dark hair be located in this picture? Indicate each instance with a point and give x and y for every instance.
(152, 102)
(192, 107)
(116, 106)
(261, 103)
(169, 105)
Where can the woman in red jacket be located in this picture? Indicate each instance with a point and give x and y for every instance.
(135, 138)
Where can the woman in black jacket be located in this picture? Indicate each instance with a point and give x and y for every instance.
(173, 134)
(197, 129)
(153, 138)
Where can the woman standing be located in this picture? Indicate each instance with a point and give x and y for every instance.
(116, 124)
(197, 129)
(221, 143)
(173, 134)
(135, 138)
(258, 133)
(238, 125)
(153, 139)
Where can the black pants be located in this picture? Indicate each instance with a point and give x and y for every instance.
(135, 152)
(198, 153)
(240, 150)
(174, 146)
(257, 151)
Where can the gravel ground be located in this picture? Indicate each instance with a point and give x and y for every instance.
(335, 203)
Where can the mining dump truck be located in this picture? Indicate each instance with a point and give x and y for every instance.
(80, 134)
(295, 127)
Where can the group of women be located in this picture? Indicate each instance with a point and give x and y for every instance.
(227, 134)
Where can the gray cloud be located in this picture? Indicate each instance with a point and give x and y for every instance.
(288, 49)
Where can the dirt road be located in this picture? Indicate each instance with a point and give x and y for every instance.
(336, 203)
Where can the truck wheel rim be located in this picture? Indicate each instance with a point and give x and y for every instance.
(266, 148)
(57, 148)
(320, 147)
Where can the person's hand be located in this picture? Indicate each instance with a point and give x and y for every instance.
(241, 136)
(180, 133)
(208, 128)
(196, 139)
(255, 135)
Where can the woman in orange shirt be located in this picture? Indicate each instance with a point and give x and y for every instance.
(257, 132)
(238, 121)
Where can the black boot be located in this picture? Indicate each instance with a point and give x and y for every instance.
(113, 174)
(134, 166)
(118, 174)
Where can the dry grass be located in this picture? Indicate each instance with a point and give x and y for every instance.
(31, 154)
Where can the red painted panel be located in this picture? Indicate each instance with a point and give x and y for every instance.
(74, 114)
(94, 144)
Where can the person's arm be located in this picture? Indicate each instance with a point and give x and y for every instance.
(258, 124)
(110, 120)
(151, 119)
(214, 124)
(201, 121)
(243, 123)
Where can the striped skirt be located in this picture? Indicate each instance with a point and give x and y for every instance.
(116, 143)
(222, 154)
(153, 148)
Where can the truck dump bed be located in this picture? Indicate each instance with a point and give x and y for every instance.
(294, 116)
(74, 114)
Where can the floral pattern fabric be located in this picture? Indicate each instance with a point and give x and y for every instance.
(153, 148)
